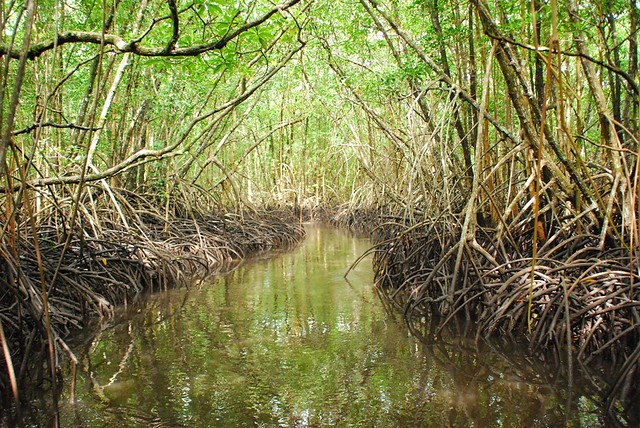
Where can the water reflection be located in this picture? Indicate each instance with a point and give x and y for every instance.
(287, 342)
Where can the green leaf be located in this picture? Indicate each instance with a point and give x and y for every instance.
(214, 9)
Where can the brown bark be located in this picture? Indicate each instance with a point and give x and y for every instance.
(176, 26)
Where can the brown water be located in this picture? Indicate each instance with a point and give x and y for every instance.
(287, 342)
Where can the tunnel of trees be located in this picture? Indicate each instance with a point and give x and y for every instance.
(489, 147)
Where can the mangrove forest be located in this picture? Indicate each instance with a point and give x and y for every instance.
(487, 148)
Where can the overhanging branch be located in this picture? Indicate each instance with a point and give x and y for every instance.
(133, 46)
(147, 155)
(540, 49)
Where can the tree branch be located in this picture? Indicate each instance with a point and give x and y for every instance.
(632, 84)
(147, 155)
(33, 126)
(176, 26)
(138, 158)
(463, 93)
(133, 46)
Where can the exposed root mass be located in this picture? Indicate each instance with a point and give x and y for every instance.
(55, 280)
(574, 297)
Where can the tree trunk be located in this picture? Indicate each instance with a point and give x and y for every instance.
(526, 106)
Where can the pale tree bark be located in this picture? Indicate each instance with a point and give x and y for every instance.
(145, 155)
(441, 75)
(434, 13)
(88, 164)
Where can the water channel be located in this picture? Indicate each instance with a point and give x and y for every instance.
(285, 341)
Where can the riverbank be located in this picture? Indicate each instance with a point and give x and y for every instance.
(285, 341)
(58, 278)
(576, 300)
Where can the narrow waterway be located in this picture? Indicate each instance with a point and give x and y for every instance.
(286, 341)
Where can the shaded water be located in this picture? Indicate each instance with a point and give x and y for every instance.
(286, 341)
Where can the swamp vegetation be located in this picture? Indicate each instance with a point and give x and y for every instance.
(490, 148)
(283, 341)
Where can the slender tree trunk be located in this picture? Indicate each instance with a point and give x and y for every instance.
(613, 56)
(630, 113)
(473, 76)
(538, 65)
(6, 127)
(434, 13)
(77, 136)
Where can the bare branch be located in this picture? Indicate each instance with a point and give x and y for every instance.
(540, 49)
(33, 126)
(462, 92)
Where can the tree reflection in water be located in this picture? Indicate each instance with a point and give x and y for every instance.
(285, 341)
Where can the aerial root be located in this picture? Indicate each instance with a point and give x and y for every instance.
(573, 295)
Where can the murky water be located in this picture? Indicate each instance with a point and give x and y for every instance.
(287, 342)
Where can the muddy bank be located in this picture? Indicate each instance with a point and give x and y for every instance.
(53, 281)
